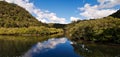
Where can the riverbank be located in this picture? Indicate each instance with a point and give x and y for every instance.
(31, 31)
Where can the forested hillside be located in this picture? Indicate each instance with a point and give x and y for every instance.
(15, 20)
(12, 15)
(105, 29)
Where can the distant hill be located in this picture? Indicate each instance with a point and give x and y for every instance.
(116, 14)
(56, 25)
(12, 15)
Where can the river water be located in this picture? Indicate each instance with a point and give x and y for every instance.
(16, 46)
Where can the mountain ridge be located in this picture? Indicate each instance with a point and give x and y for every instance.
(116, 14)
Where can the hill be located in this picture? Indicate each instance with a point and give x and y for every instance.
(105, 29)
(15, 20)
(12, 15)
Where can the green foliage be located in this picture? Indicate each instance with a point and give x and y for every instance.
(35, 31)
(14, 20)
(12, 15)
(105, 30)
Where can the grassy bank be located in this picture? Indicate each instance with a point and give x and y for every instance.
(34, 31)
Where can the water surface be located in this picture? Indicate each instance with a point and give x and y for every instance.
(55, 47)
(13, 46)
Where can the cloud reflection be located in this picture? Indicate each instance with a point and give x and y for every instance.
(45, 46)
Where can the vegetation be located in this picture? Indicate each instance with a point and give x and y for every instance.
(14, 20)
(98, 30)
(12, 15)
(35, 31)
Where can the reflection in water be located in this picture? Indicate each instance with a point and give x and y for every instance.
(45, 47)
(12, 46)
(97, 50)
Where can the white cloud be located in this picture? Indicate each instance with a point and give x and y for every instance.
(98, 11)
(108, 3)
(44, 16)
(74, 18)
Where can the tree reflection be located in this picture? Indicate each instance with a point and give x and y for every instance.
(12, 46)
(97, 50)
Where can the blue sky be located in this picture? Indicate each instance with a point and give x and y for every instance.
(63, 8)
(65, 11)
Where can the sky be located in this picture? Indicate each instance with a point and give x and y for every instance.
(66, 11)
